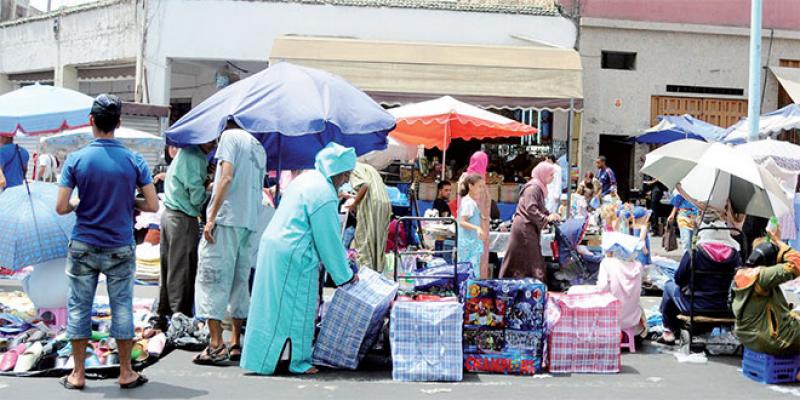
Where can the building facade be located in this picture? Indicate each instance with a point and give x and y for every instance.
(671, 57)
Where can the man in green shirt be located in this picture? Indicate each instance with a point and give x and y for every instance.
(184, 197)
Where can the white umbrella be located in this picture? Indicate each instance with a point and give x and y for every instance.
(396, 150)
(786, 155)
(69, 141)
(715, 172)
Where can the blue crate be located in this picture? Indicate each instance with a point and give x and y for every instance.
(770, 369)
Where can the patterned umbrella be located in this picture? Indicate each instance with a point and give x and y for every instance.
(64, 143)
(38, 109)
(32, 232)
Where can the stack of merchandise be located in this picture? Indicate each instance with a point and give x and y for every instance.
(426, 340)
(504, 326)
(148, 263)
(353, 320)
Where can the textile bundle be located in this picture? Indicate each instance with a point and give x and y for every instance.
(426, 341)
(586, 339)
(148, 263)
(504, 326)
(353, 320)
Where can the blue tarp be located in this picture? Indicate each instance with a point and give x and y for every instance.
(294, 111)
(678, 127)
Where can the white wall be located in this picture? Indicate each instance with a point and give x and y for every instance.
(91, 36)
(666, 54)
(243, 30)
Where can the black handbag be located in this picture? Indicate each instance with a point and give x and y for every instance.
(670, 240)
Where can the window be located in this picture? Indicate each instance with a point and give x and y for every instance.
(705, 90)
(618, 60)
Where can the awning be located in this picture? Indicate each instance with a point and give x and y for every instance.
(789, 78)
(402, 72)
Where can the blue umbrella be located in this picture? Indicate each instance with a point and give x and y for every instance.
(294, 111)
(38, 109)
(679, 127)
(32, 232)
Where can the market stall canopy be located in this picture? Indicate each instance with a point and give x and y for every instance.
(39, 109)
(397, 150)
(435, 123)
(404, 72)
(677, 127)
(769, 124)
(66, 142)
(716, 172)
(293, 111)
(789, 78)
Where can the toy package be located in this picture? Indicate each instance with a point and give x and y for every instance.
(504, 325)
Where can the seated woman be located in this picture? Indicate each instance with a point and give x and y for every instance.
(716, 259)
(765, 321)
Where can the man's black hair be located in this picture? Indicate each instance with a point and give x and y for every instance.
(442, 184)
(551, 157)
(106, 111)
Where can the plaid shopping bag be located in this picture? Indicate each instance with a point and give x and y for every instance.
(353, 320)
(586, 338)
(426, 341)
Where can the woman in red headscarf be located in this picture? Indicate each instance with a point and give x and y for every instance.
(524, 255)
(478, 164)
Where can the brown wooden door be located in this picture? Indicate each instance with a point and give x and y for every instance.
(783, 97)
(720, 112)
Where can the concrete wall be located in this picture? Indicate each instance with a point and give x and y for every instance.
(95, 35)
(666, 54)
(778, 14)
(242, 30)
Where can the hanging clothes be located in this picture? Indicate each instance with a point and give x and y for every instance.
(372, 215)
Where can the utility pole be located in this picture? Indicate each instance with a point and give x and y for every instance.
(754, 91)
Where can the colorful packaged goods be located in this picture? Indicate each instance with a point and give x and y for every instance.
(504, 326)
(426, 341)
(586, 337)
(353, 320)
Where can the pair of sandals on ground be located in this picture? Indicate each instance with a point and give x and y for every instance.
(219, 355)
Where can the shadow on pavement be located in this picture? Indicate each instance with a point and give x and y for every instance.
(152, 390)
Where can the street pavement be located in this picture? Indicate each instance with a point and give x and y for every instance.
(651, 373)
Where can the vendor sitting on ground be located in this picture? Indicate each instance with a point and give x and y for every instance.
(765, 321)
(716, 258)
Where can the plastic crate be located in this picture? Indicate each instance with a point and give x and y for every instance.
(766, 368)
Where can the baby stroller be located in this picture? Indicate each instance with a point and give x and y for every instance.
(574, 265)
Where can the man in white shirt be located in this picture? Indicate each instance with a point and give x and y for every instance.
(46, 168)
(554, 188)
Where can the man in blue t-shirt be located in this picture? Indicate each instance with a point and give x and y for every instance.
(606, 176)
(107, 176)
(13, 163)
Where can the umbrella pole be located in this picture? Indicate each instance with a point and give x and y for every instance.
(444, 146)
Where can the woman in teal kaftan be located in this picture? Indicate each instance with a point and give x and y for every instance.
(304, 231)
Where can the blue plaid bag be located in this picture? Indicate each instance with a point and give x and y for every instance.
(426, 341)
(353, 320)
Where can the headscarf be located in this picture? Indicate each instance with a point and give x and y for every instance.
(335, 159)
(540, 174)
(478, 164)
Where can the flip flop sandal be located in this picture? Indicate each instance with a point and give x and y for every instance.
(10, 358)
(139, 352)
(65, 383)
(235, 357)
(11, 324)
(141, 380)
(211, 356)
(29, 358)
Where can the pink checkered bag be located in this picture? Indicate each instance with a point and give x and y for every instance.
(586, 337)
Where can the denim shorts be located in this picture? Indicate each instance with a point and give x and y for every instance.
(85, 263)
